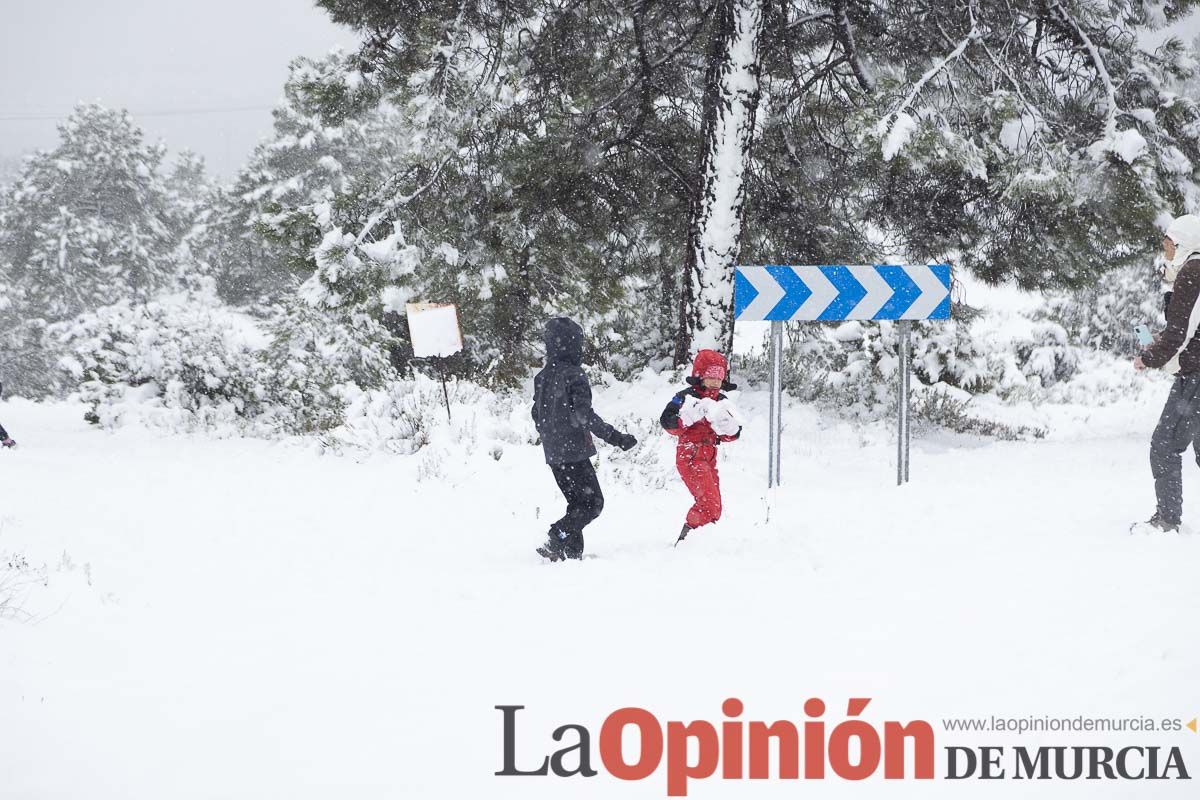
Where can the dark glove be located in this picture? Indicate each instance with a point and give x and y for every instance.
(626, 441)
(8, 443)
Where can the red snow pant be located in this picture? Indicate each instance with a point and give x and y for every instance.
(697, 465)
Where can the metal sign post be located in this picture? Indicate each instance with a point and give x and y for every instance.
(835, 293)
(441, 362)
(776, 411)
(904, 373)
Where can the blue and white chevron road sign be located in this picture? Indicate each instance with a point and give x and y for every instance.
(883, 291)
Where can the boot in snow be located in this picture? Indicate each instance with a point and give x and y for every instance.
(573, 546)
(683, 534)
(552, 550)
(1155, 524)
(554, 546)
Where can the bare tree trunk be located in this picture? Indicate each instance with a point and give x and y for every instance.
(731, 96)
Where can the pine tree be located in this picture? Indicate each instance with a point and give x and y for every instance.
(332, 151)
(331, 334)
(188, 188)
(1035, 141)
(89, 222)
(225, 247)
(84, 225)
(544, 116)
(1032, 141)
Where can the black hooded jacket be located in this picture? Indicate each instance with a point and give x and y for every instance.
(562, 399)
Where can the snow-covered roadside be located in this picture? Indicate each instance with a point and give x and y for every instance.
(1106, 399)
(264, 621)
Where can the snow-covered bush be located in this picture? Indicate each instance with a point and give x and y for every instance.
(649, 465)
(1104, 315)
(1020, 356)
(950, 408)
(1046, 355)
(401, 417)
(852, 365)
(1104, 379)
(317, 360)
(179, 361)
(409, 415)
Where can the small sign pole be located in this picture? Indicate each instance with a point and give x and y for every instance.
(776, 410)
(903, 438)
(907, 397)
(445, 392)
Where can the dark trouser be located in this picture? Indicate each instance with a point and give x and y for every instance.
(1177, 428)
(3, 433)
(579, 485)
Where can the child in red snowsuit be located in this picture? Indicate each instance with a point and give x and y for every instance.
(702, 417)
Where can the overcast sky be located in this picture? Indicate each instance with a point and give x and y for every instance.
(164, 60)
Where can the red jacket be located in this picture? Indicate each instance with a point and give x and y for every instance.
(700, 433)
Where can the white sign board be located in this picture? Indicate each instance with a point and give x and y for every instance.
(434, 329)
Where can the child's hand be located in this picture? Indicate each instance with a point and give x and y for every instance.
(724, 419)
(692, 411)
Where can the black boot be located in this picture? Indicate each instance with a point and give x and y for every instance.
(683, 534)
(554, 547)
(1163, 525)
(573, 546)
(1156, 524)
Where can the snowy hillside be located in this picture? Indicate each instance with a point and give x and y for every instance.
(244, 618)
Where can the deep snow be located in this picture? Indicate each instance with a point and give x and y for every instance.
(238, 618)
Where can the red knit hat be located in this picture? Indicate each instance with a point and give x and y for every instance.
(710, 364)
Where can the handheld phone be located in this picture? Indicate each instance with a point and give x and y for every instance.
(1143, 335)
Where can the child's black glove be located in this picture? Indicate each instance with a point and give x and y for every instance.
(627, 441)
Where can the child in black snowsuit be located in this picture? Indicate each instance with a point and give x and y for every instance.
(563, 415)
(5, 439)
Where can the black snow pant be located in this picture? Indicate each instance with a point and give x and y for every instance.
(579, 485)
(3, 433)
(1178, 427)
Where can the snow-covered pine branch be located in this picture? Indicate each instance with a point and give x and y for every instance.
(893, 128)
(1110, 92)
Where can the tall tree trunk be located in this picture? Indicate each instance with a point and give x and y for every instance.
(731, 95)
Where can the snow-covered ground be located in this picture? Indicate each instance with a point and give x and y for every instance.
(238, 618)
